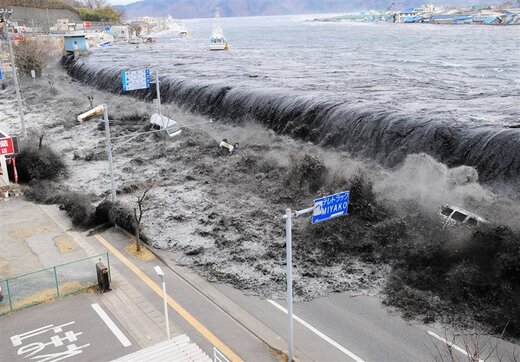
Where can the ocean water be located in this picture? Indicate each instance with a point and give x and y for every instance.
(455, 72)
(383, 91)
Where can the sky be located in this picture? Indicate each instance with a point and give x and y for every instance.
(121, 2)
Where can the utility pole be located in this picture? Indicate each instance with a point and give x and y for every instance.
(158, 87)
(109, 152)
(5, 13)
(48, 20)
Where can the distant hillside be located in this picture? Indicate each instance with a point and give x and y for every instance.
(206, 8)
(39, 4)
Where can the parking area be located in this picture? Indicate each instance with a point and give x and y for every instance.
(75, 328)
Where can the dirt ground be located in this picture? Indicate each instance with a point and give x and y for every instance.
(221, 213)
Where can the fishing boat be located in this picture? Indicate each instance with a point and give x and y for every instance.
(217, 40)
(184, 32)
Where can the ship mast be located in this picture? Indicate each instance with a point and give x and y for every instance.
(217, 28)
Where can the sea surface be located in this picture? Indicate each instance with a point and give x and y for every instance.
(460, 73)
(382, 91)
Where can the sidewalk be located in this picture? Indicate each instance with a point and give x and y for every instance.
(34, 237)
(196, 308)
(144, 322)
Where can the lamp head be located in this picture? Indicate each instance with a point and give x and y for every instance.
(159, 271)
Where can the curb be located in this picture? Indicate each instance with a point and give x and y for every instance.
(248, 321)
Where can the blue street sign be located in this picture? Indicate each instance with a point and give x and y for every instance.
(330, 207)
(1, 75)
(108, 27)
(136, 79)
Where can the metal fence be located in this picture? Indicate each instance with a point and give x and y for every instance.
(47, 284)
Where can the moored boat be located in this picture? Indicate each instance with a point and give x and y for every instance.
(217, 40)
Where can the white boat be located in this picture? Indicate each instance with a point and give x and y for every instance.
(217, 40)
(184, 32)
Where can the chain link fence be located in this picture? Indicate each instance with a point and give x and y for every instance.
(47, 284)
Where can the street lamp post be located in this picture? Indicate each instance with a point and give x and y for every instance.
(109, 152)
(4, 14)
(160, 273)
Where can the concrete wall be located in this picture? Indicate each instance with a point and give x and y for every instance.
(25, 16)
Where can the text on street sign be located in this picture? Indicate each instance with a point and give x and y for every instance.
(330, 207)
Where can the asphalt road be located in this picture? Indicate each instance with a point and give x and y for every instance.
(344, 328)
(69, 329)
(231, 333)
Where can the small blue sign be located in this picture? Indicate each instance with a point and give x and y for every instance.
(136, 79)
(107, 28)
(330, 207)
(1, 74)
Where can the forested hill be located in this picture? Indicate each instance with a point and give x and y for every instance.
(39, 4)
(206, 8)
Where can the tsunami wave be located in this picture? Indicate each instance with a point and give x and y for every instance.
(386, 136)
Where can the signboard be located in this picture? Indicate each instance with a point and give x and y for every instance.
(1, 74)
(330, 207)
(6, 146)
(108, 27)
(136, 79)
(87, 24)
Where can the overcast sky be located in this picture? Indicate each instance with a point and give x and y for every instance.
(121, 2)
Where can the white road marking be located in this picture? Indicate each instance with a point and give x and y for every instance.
(451, 345)
(325, 337)
(111, 325)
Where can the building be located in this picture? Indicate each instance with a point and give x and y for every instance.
(8, 147)
(120, 32)
(75, 44)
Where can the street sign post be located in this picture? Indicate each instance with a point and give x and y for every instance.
(6, 146)
(1, 75)
(330, 207)
(136, 79)
(325, 208)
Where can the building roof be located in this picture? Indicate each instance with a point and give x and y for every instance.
(178, 349)
(408, 10)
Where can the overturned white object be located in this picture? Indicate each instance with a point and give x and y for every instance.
(162, 122)
(224, 144)
(453, 215)
(92, 113)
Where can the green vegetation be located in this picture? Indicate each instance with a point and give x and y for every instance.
(39, 4)
(106, 13)
(102, 13)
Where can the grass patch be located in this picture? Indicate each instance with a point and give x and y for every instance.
(49, 295)
(64, 243)
(144, 254)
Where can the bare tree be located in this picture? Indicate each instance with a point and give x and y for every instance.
(95, 4)
(40, 134)
(475, 343)
(142, 205)
(136, 29)
(75, 3)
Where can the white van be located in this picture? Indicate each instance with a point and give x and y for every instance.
(162, 122)
(454, 215)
